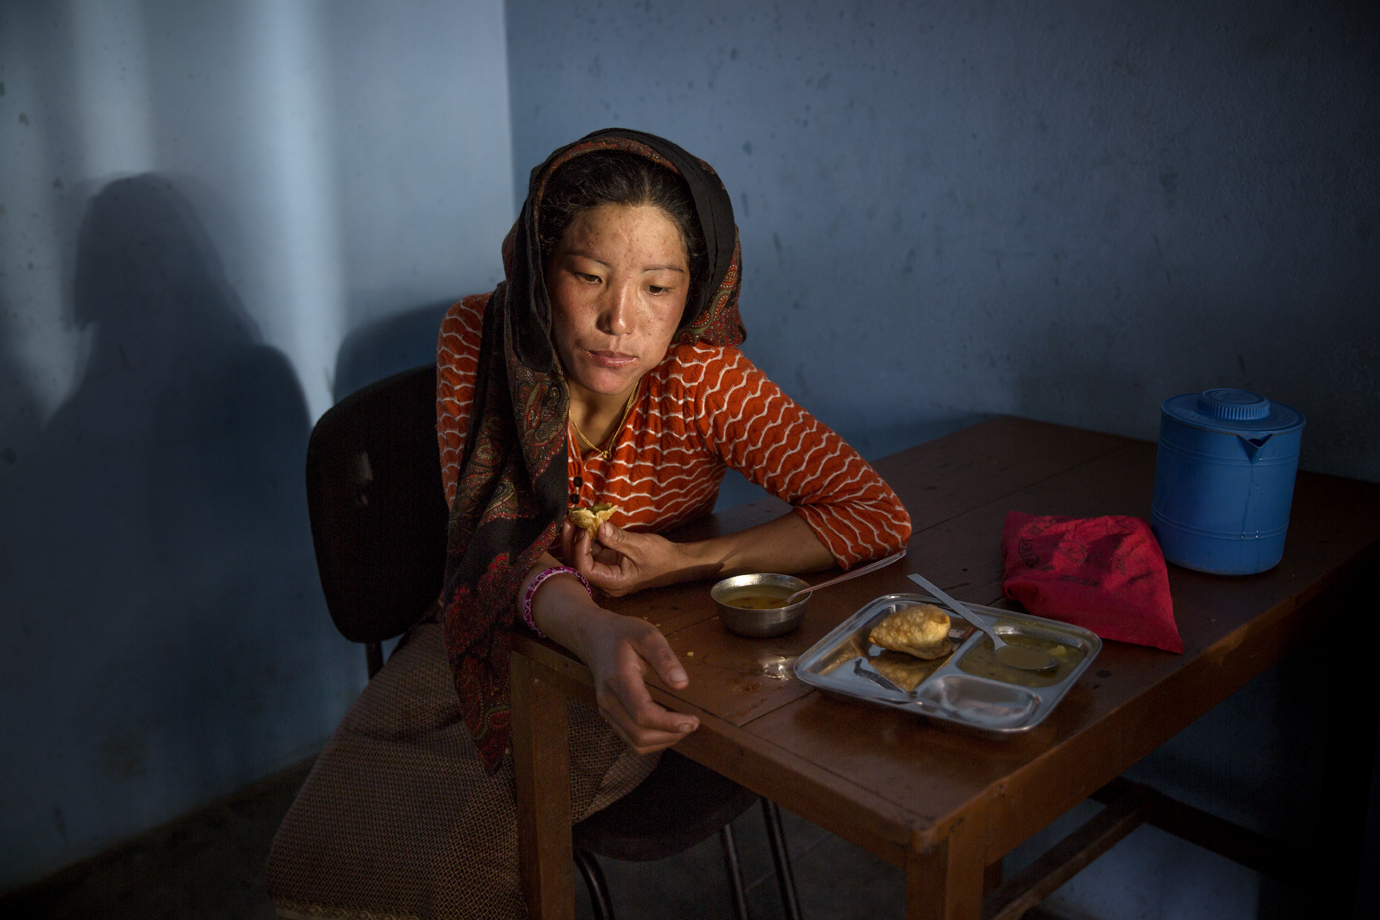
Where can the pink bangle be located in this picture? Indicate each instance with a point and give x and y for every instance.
(537, 583)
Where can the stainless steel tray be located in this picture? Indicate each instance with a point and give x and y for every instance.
(847, 663)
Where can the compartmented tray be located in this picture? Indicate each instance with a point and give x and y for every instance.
(968, 689)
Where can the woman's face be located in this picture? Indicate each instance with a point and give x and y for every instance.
(618, 282)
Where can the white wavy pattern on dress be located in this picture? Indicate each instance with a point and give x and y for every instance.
(457, 363)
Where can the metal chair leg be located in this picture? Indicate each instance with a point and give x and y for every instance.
(594, 881)
(785, 877)
(735, 872)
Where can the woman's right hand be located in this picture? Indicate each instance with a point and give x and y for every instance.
(622, 562)
(621, 651)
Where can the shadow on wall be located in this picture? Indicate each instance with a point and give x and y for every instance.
(159, 553)
(396, 343)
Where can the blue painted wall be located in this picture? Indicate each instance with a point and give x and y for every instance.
(1068, 211)
(213, 217)
(1065, 211)
(217, 217)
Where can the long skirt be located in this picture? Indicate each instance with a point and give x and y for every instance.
(399, 819)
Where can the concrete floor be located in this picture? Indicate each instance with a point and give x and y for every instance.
(209, 866)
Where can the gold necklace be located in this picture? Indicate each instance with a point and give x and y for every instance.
(613, 436)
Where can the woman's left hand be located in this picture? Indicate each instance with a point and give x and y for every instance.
(621, 561)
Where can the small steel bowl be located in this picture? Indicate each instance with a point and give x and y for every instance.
(759, 624)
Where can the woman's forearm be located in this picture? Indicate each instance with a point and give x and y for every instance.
(625, 561)
(562, 608)
(787, 545)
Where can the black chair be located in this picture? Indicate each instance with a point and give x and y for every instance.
(378, 522)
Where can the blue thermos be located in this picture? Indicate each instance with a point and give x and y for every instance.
(1224, 480)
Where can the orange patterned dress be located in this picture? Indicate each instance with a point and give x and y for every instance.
(700, 411)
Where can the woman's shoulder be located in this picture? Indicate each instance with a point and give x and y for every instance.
(462, 329)
(699, 356)
(699, 367)
(466, 315)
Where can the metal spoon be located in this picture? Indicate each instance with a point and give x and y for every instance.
(870, 567)
(1020, 657)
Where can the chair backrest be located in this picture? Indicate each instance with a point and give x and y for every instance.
(377, 506)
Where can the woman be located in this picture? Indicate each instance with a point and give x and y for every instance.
(603, 369)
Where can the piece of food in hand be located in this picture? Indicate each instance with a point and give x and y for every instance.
(921, 630)
(590, 518)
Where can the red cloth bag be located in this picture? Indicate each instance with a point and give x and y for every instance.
(1105, 573)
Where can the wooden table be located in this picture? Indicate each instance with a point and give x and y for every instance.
(945, 806)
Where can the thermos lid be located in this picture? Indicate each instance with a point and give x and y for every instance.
(1232, 412)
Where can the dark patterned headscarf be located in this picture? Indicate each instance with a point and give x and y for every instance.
(512, 492)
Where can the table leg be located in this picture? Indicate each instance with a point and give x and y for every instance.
(541, 764)
(991, 878)
(1348, 765)
(946, 882)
